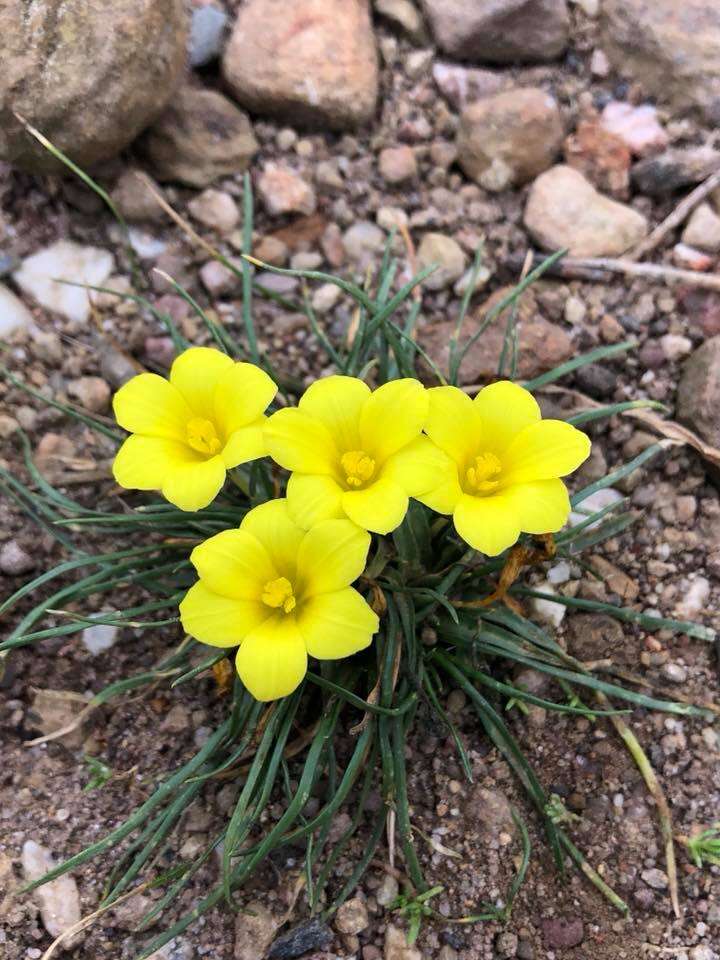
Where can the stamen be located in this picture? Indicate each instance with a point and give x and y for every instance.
(202, 436)
(279, 593)
(480, 476)
(358, 467)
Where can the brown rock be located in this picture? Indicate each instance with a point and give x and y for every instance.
(703, 229)
(508, 139)
(90, 76)
(702, 310)
(561, 933)
(674, 169)
(602, 157)
(309, 62)
(564, 210)
(55, 710)
(135, 200)
(699, 391)
(397, 164)
(594, 636)
(255, 930)
(93, 393)
(499, 31)
(670, 48)
(541, 345)
(490, 812)
(201, 136)
(463, 85)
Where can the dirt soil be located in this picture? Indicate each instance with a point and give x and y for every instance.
(656, 565)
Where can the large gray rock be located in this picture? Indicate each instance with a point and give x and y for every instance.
(510, 138)
(309, 62)
(699, 392)
(499, 31)
(672, 47)
(90, 76)
(200, 137)
(59, 900)
(565, 210)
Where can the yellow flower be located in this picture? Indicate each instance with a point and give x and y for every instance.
(503, 464)
(280, 593)
(187, 432)
(355, 452)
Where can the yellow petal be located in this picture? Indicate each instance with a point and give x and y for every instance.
(217, 620)
(444, 498)
(505, 408)
(313, 498)
(242, 394)
(489, 524)
(453, 423)
(418, 467)
(195, 373)
(150, 405)
(338, 624)
(143, 463)
(550, 448)
(380, 507)
(245, 444)
(542, 506)
(392, 416)
(332, 555)
(300, 442)
(192, 486)
(234, 563)
(270, 523)
(337, 401)
(272, 660)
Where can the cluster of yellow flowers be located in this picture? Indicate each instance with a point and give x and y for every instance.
(279, 587)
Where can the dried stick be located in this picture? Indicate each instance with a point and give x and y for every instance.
(596, 269)
(681, 211)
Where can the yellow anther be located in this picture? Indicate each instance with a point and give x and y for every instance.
(202, 436)
(481, 475)
(279, 593)
(358, 467)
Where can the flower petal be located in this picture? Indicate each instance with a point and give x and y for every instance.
(313, 498)
(192, 486)
(270, 523)
(444, 498)
(195, 373)
(143, 463)
(272, 660)
(489, 524)
(418, 467)
(380, 507)
(543, 506)
(453, 423)
(219, 621)
(337, 402)
(242, 393)
(300, 442)
(148, 404)
(245, 444)
(338, 624)
(392, 416)
(550, 448)
(234, 563)
(332, 555)
(505, 408)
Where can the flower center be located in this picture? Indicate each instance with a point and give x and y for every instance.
(202, 436)
(279, 593)
(482, 473)
(358, 467)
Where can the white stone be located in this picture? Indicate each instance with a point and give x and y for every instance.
(100, 637)
(481, 279)
(703, 229)
(547, 611)
(59, 901)
(695, 598)
(145, 244)
(325, 298)
(596, 501)
(14, 315)
(675, 345)
(64, 260)
(559, 573)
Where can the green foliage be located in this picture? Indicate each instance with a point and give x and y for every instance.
(99, 773)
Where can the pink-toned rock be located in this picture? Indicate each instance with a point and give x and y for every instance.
(306, 62)
(637, 127)
(508, 139)
(463, 85)
(601, 156)
(564, 210)
(541, 344)
(397, 164)
(282, 190)
(690, 258)
(499, 31)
